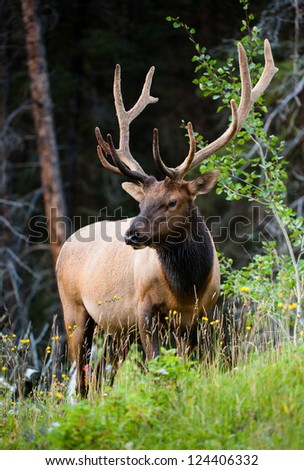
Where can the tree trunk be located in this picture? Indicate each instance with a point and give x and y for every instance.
(54, 201)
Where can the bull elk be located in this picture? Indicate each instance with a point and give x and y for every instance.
(167, 260)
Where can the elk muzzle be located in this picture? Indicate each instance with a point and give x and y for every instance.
(139, 234)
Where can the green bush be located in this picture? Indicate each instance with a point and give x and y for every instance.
(253, 168)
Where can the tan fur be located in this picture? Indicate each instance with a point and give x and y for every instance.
(113, 284)
(109, 279)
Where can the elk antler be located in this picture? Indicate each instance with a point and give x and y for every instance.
(248, 97)
(127, 165)
(184, 167)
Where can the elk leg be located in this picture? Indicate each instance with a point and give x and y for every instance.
(103, 364)
(114, 352)
(80, 328)
(148, 332)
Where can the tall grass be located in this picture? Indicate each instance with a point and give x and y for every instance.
(177, 404)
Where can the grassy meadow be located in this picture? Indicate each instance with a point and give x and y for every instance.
(177, 404)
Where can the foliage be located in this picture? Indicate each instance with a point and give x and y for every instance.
(175, 405)
(253, 168)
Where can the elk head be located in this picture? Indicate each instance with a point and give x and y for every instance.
(167, 206)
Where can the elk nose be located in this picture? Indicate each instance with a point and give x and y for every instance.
(132, 238)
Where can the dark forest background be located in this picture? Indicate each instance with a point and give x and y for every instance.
(83, 41)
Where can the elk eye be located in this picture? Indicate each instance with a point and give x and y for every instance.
(172, 204)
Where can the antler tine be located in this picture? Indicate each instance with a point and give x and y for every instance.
(184, 167)
(248, 97)
(105, 162)
(122, 167)
(157, 158)
(101, 142)
(126, 117)
(145, 97)
(179, 172)
(269, 71)
(109, 149)
(103, 146)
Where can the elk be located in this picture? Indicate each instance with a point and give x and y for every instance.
(160, 261)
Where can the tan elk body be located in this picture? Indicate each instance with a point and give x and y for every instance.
(122, 276)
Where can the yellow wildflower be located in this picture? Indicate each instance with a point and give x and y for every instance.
(63, 376)
(99, 302)
(205, 318)
(280, 295)
(174, 312)
(55, 338)
(248, 327)
(292, 306)
(280, 305)
(25, 341)
(13, 403)
(59, 395)
(166, 318)
(244, 289)
(4, 368)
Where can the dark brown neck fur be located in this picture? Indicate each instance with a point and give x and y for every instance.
(188, 264)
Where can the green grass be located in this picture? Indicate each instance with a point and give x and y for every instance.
(259, 405)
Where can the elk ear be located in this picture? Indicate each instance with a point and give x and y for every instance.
(135, 190)
(204, 183)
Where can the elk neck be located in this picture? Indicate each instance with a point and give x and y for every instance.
(187, 264)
